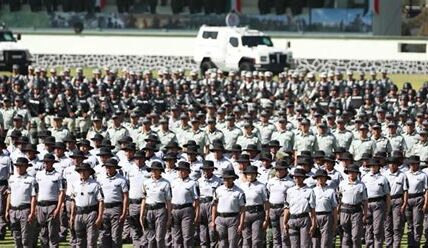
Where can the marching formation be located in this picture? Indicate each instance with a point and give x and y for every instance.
(239, 160)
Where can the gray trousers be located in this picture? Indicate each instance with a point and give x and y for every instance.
(394, 224)
(375, 226)
(73, 239)
(111, 231)
(252, 234)
(414, 217)
(49, 235)
(352, 227)
(135, 226)
(325, 224)
(23, 232)
(280, 237)
(227, 228)
(299, 232)
(183, 227)
(156, 228)
(63, 221)
(206, 232)
(3, 198)
(86, 231)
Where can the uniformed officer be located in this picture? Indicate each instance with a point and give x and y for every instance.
(299, 212)
(248, 137)
(256, 209)
(418, 201)
(325, 141)
(115, 190)
(58, 131)
(379, 203)
(231, 132)
(363, 144)
(117, 130)
(50, 200)
(326, 210)
(305, 140)
(353, 207)
(394, 222)
(87, 207)
(343, 136)
(277, 188)
(185, 207)
(155, 216)
(21, 204)
(208, 183)
(228, 211)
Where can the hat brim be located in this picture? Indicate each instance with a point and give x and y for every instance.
(299, 175)
(230, 177)
(49, 161)
(28, 150)
(348, 171)
(92, 171)
(148, 169)
(208, 168)
(19, 164)
(315, 177)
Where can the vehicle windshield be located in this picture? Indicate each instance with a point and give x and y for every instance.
(6, 36)
(252, 41)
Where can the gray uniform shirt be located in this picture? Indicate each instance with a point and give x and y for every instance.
(21, 189)
(325, 199)
(397, 181)
(156, 191)
(207, 186)
(300, 199)
(277, 188)
(418, 182)
(136, 177)
(255, 193)
(377, 185)
(86, 193)
(229, 200)
(184, 191)
(113, 188)
(352, 192)
(50, 184)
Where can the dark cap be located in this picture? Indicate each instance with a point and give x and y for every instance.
(183, 165)
(321, 173)
(85, 166)
(352, 168)
(229, 173)
(156, 165)
(299, 173)
(22, 161)
(49, 158)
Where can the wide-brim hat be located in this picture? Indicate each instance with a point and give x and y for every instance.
(274, 143)
(252, 147)
(153, 138)
(244, 158)
(235, 148)
(85, 143)
(412, 160)
(112, 162)
(97, 137)
(22, 161)
(183, 165)
(352, 168)
(30, 148)
(125, 139)
(281, 165)
(77, 154)
(346, 156)
(229, 173)
(49, 158)
(105, 151)
(191, 143)
(170, 156)
(319, 154)
(208, 165)
(321, 173)
(251, 170)
(150, 147)
(172, 145)
(299, 173)
(156, 165)
(217, 147)
(60, 145)
(85, 166)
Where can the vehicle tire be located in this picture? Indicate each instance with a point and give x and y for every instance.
(206, 65)
(246, 66)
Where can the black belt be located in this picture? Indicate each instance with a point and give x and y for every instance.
(397, 196)
(155, 206)
(416, 195)
(21, 207)
(377, 199)
(46, 203)
(206, 199)
(254, 208)
(226, 215)
(275, 206)
(3, 183)
(181, 206)
(297, 216)
(113, 204)
(350, 208)
(86, 210)
(135, 201)
(323, 213)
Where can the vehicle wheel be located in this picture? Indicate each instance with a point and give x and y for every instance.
(246, 66)
(206, 65)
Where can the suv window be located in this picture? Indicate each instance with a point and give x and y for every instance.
(234, 41)
(209, 35)
(252, 41)
(6, 36)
